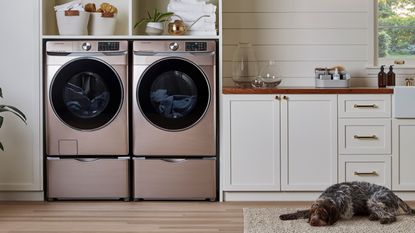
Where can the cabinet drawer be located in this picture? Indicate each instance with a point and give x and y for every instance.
(365, 136)
(374, 169)
(87, 178)
(354, 106)
(175, 179)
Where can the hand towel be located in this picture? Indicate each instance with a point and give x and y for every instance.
(201, 26)
(194, 7)
(201, 33)
(193, 16)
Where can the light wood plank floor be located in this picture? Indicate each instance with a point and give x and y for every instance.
(124, 217)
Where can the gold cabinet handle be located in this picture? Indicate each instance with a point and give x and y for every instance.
(285, 97)
(365, 106)
(277, 97)
(374, 173)
(366, 137)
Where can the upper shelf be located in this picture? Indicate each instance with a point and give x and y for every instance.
(129, 12)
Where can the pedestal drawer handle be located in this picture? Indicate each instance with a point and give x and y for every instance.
(365, 106)
(374, 173)
(366, 137)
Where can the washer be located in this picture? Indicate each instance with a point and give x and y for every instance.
(86, 104)
(174, 98)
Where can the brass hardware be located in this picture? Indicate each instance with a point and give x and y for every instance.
(409, 82)
(365, 106)
(285, 97)
(374, 173)
(365, 137)
(277, 97)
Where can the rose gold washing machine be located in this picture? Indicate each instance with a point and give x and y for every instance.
(86, 119)
(174, 119)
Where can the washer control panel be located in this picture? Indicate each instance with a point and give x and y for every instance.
(108, 46)
(196, 46)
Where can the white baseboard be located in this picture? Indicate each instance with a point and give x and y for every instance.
(289, 196)
(22, 196)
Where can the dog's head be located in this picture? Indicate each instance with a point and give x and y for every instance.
(323, 213)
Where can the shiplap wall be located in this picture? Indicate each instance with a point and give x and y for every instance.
(301, 35)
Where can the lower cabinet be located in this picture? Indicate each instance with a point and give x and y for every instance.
(262, 130)
(403, 153)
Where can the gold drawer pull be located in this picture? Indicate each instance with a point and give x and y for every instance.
(374, 173)
(365, 106)
(366, 137)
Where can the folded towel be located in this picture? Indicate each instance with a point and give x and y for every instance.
(190, 1)
(201, 26)
(201, 33)
(193, 16)
(74, 5)
(200, 7)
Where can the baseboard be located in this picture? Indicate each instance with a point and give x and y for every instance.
(289, 196)
(22, 196)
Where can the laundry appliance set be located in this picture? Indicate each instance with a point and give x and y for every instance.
(148, 136)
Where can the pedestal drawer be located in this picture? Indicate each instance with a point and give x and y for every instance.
(87, 178)
(360, 106)
(365, 136)
(374, 169)
(175, 179)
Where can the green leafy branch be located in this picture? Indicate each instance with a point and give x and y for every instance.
(156, 17)
(13, 110)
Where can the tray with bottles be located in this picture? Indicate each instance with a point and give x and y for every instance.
(335, 77)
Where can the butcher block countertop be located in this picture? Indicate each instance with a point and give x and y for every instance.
(306, 90)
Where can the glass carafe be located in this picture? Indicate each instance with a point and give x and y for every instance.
(269, 74)
(244, 65)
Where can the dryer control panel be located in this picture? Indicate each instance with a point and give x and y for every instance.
(196, 46)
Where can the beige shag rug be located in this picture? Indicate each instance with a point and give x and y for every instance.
(266, 220)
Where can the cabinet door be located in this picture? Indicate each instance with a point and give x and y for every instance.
(20, 163)
(308, 142)
(403, 155)
(251, 143)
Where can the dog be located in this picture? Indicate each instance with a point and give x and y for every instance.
(344, 200)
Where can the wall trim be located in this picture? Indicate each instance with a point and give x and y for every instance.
(22, 196)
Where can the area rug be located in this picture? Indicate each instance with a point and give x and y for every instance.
(266, 220)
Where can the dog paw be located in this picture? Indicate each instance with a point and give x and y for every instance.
(387, 220)
(287, 217)
(373, 217)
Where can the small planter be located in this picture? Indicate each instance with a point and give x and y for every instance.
(154, 28)
(72, 22)
(100, 25)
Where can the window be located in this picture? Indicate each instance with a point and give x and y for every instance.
(396, 31)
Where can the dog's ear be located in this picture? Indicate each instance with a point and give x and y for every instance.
(333, 214)
(313, 208)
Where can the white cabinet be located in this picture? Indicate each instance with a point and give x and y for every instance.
(20, 163)
(403, 156)
(254, 136)
(308, 142)
(252, 142)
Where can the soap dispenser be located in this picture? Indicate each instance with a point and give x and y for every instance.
(382, 77)
(391, 76)
(336, 75)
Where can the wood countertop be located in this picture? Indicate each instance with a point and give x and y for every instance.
(306, 90)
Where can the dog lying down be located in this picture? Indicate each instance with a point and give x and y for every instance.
(353, 198)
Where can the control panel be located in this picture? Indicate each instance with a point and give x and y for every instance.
(196, 46)
(108, 46)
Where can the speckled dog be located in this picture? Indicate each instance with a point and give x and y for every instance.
(353, 198)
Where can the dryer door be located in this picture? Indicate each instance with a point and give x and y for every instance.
(86, 93)
(173, 94)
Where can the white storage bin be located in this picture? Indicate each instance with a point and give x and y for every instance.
(72, 24)
(101, 26)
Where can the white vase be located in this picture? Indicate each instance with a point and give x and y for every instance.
(155, 28)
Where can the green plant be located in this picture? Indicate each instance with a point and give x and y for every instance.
(156, 17)
(9, 108)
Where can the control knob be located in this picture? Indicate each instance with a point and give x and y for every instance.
(86, 46)
(174, 46)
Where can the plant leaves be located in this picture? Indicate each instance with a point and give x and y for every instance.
(1, 147)
(1, 121)
(163, 17)
(1, 93)
(17, 110)
(4, 108)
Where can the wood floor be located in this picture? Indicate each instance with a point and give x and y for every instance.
(124, 217)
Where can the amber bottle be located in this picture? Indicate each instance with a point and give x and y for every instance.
(391, 76)
(382, 78)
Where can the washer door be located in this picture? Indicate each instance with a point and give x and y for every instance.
(86, 94)
(173, 94)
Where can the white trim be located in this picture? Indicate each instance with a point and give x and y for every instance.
(21, 196)
(372, 31)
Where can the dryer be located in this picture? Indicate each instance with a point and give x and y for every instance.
(86, 104)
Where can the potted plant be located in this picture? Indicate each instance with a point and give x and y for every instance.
(9, 108)
(155, 22)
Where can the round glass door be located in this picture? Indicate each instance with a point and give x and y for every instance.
(173, 94)
(86, 94)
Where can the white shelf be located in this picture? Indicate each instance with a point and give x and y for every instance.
(134, 37)
(129, 12)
